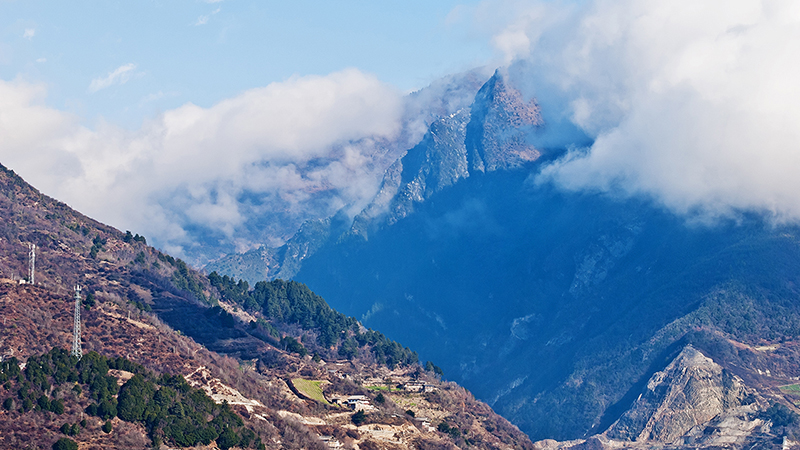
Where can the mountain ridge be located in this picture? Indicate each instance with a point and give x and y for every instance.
(500, 269)
(490, 134)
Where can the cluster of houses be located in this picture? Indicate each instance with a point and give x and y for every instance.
(331, 442)
(361, 402)
(425, 424)
(417, 386)
(355, 402)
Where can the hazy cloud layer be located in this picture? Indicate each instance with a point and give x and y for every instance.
(282, 150)
(696, 104)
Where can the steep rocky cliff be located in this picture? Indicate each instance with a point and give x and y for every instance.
(691, 391)
(694, 403)
(498, 129)
(490, 135)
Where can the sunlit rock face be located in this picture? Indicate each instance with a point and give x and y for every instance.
(691, 391)
(496, 134)
(492, 134)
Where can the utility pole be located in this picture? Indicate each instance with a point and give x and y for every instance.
(31, 263)
(76, 335)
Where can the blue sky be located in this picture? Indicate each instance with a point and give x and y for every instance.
(173, 52)
(169, 117)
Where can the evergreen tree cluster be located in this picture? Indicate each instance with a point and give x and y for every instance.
(65, 444)
(98, 243)
(293, 303)
(166, 405)
(780, 415)
(130, 238)
(185, 280)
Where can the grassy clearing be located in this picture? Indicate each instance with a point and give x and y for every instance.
(791, 389)
(383, 388)
(310, 388)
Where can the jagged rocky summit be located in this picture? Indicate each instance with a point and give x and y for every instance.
(692, 403)
(496, 131)
(688, 393)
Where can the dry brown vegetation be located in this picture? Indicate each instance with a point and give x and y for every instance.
(126, 278)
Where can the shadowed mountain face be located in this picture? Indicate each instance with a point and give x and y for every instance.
(550, 305)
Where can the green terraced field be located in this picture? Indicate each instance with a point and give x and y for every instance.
(310, 388)
(791, 389)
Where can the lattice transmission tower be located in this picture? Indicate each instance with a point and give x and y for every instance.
(31, 263)
(76, 335)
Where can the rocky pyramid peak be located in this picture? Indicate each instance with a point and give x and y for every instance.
(496, 134)
(691, 390)
(492, 134)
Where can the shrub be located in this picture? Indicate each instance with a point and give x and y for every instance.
(358, 418)
(70, 430)
(57, 406)
(227, 439)
(107, 409)
(91, 409)
(65, 444)
(780, 415)
(444, 427)
(107, 427)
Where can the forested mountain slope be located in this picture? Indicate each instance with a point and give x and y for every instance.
(551, 305)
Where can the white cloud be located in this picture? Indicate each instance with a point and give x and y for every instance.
(202, 20)
(41, 60)
(283, 150)
(29, 33)
(695, 104)
(120, 75)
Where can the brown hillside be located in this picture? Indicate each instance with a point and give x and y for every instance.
(154, 310)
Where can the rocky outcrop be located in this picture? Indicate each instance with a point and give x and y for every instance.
(438, 161)
(693, 403)
(489, 135)
(266, 263)
(497, 132)
(691, 391)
